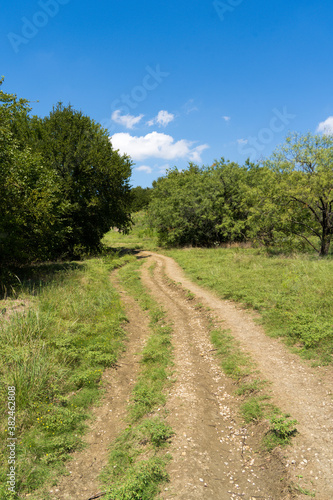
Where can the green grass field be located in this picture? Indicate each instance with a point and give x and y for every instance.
(54, 353)
(141, 237)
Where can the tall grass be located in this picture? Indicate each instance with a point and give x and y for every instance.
(55, 355)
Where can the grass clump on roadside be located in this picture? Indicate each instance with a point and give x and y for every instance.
(281, 431)
(293, 295)
(130, 475)
(54, 356)
(252, 387)
(138, 457)
(297, 488)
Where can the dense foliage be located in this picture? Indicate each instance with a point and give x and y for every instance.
(287, 200)
(92, 177)
(62, 186)
(200, 206)
(304, 166)
(140, 198)
(27, 190)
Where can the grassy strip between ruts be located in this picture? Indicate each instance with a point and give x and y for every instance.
(241, 368)
(54, 356)
(138, 457)
(255, 405)
(293, 294)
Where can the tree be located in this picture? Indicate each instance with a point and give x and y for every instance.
(230, 184)
(181, 208)
(200, 206)
(93, 178)
(304, 167)
(267, 210)
(27, 190)
(62, 186)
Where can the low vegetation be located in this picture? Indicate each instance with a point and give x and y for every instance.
(140, 237)
(253, 391)
(55, 354)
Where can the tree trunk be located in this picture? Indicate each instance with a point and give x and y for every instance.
(325, 243)
(326, 234)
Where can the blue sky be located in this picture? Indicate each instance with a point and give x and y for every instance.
(176, 81)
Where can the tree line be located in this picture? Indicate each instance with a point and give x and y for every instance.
(285, 200)
(62, 186)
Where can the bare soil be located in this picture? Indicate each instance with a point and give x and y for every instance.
(10, 307)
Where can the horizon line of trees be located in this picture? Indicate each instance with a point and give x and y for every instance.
(286, 200)
(63, 186)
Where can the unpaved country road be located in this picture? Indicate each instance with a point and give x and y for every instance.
(201, 407)
(82, 482)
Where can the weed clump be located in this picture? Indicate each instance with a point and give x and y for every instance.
(280, 432)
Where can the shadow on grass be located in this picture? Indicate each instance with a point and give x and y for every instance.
(31, 277)
(121, 251)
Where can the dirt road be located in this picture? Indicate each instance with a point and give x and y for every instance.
(213, 453)
(302, 391)
(215, 457)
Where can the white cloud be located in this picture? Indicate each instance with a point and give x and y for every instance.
(144, 168)
(226, 118)
(163, 119)
(327, 126)
(242, 141)
(126, 120)
(156, 145)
